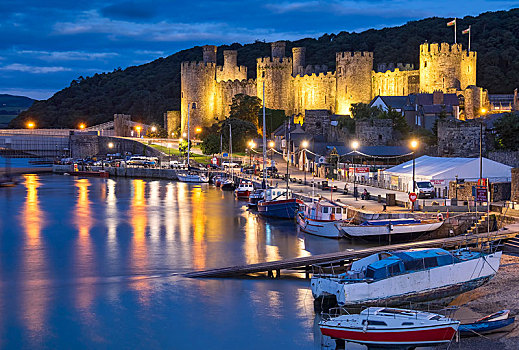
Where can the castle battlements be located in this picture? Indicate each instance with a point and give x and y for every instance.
(384, 67)
(197, 65)
(238, 68)
(237, 83)
(348, 55)
(274, 61)
(321, 75)
(445, 49)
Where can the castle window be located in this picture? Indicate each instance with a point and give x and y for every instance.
(182, 94)
(346, 87)
(380, 137)
(263, 74)
(339, 70)
(425, 64)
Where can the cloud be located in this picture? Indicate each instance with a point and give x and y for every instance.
(37, 94)
(68, 55)
(33, 69)
(283, 7)
(130, 10)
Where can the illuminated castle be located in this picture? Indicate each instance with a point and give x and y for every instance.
(293, 86)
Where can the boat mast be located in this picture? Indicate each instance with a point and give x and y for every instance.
(230, 150)
(264, 182)
(287, 140)
(188, 142)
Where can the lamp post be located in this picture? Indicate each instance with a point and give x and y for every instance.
(414, 146)
(138, 129)
(482, 113)
(251, 146)
(304, 144)
(189, 106)
(354, 146)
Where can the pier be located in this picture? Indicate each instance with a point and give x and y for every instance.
(304, 264)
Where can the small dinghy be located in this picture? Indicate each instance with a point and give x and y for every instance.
(496, 322)
(390, 327)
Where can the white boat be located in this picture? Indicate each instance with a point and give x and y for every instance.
(322, 218)
(192, 177)
(405, 228)
(245, 188)
(399, 277)
(389, 327)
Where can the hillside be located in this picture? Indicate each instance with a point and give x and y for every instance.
(147, 91)
(11, 106)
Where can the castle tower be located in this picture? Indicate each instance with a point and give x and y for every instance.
(198, 86)
(209, 53)
(298, 60)
(444, 67)
(353, 79)
(276, 73)
(230, 69)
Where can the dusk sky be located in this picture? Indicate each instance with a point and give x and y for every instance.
(46, 44)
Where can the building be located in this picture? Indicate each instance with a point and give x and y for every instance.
(291, 85)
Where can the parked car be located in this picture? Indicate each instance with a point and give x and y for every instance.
(272, 170)
(248, 170)
(137, 160)
(230, 165)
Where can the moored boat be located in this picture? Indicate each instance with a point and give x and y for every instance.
(254, 198)
(279, 203)
(227, 185)
(245, 188)
(192, 177)
(322, 218)
(396, 228)
(100, 173)
(496, 322)
(389, 327)
(399, 277)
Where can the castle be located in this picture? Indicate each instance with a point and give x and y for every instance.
(293, 86)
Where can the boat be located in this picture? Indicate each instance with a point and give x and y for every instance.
(8, 182)
(322, 218)
(399, 277)
(496, 322)
(390, 327)
(396, 228)
(192, 177)
(255, 197)
(100, 173)
(279, 203)
(227, 185)
(245, 188)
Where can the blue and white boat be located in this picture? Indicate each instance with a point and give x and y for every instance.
(496, 322)
(279, 203)
(399, 277)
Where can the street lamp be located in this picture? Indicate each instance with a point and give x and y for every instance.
(304, 144)
(271, 147)
(153, 128)
(414, 146)
(354, 145)
(251, 146)
(82, 126)
(110, 145)
(30, 125)
(138, 129)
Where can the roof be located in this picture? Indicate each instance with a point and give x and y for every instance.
(427, 100)
(447, 168)
(381, 151)
(395, 102)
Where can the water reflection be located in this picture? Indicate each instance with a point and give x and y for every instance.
(34, 293)
(198, 222)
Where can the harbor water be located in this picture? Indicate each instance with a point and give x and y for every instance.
(98, 263)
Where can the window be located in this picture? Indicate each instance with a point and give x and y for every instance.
(345, 210)
(407, 323)
(374, 323)
(325, 210)
(425, 64)
(182, 94)
(430, 262)
(380, 137)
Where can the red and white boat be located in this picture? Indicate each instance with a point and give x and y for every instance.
(381, 326)
(245, 188)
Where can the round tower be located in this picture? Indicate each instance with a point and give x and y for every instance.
(209, 53)
(444, 67)
(353, 79)
(278, 49)
(198, 87)
(298, 60)
(230, 58)
(276, 74)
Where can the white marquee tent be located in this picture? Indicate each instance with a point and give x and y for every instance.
(440, 171)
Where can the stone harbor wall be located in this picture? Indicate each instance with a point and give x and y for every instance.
(499, 191)
(458, 138)
(515, 185)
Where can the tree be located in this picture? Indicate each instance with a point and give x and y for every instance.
(245, 107)
(159, 133)
(399, 122)
(242, 132)
(364, 111)
(211, 144)
(507, 131)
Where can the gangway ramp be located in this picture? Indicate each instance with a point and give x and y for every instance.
(305, 263)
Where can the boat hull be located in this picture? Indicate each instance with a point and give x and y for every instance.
(425, 285)
(322, 228)
(242, 194)
(283, 209)
(419, 336)
(396, 231)
(476, 328)
(192, 179)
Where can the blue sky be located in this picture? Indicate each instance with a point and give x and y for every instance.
(46, 44)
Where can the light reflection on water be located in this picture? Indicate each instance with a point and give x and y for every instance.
(90, 262)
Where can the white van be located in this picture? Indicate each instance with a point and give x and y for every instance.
(423, 189)
(137, 160)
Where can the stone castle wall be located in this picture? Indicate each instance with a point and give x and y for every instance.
(395, 82)
(172, 122)
(353, 78)
(458, 138)
(315, 91)
(374, 132)
(226, 90)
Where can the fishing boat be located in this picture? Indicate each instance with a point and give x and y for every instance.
(399, 277)
(244, 190)
(254, 198)
(396, 228)
(322, 218)
(389, 327)
(496, 322)
(192, 177)
(227, 184)
(279, 203)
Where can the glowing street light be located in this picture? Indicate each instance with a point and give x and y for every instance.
(304, 145)
(251, 144)
(82, 126)
(354, 145)
(153, 128)
(198, 130)
(30, 125)
(110, 145)
(138, 129)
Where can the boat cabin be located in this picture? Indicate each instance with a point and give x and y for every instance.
(384, 265)
(326, 211)
(276, 194)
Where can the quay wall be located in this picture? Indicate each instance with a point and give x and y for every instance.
(155, 173)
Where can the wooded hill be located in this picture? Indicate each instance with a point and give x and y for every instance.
(148, 90)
